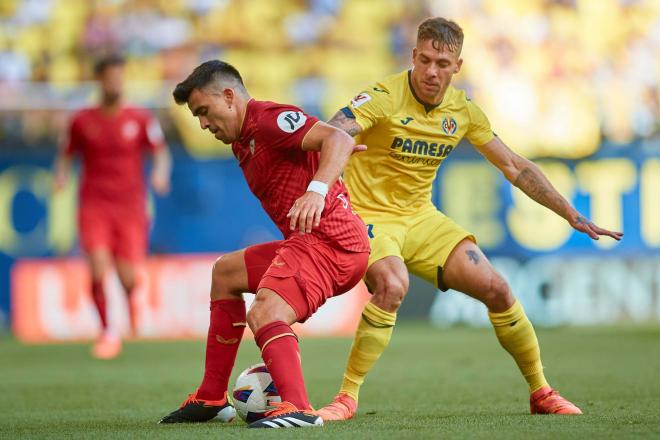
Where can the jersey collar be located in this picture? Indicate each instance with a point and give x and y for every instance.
(248, 114)
(427, 107)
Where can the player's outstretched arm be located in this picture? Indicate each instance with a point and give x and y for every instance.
(525, 175)
(335, 147)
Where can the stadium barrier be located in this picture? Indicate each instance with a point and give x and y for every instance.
(568, 291)
(200, 216)
(51, 301)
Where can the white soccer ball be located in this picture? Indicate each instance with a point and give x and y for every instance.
(227, 414)
(254, 392)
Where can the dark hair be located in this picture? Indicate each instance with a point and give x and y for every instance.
(442, 32)
(107, 61)
(202, 76)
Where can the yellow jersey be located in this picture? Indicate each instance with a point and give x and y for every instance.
(407, 141)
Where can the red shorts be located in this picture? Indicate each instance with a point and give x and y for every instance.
(122, 232)
(305, 275)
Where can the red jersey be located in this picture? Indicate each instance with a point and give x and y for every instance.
(278, 170)
(112, 147)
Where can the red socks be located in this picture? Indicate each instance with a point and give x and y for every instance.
(280, 352)
(98, 296)
(225, 334)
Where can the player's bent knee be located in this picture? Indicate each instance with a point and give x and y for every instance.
(129, 286)
(390, 292)
(223, 279)
(99, 266)
(498, 297)
(253, 319)
(259, 315)
(269, 307)
(219, 271)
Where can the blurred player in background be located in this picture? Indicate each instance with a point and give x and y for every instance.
(291, 162)
(410, 123)
(111, 140)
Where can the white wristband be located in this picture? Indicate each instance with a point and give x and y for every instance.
(318, 187)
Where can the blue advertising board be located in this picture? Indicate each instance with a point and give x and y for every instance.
(210, 208)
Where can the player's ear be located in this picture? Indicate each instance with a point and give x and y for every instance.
(459, 63)
(228, 95)
(414, 54)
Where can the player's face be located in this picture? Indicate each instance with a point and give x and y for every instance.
(111, 81)
(213, 109)
(433, 70)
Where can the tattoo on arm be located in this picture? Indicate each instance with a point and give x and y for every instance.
(533, 183)
(343, 122)
(473, 256)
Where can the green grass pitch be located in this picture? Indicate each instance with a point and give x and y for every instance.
(430, 383)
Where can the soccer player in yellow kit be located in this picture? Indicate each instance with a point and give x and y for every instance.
(410, 123)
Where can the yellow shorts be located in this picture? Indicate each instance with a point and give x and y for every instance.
(423, 240)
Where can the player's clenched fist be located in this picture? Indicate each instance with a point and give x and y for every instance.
(306, 211)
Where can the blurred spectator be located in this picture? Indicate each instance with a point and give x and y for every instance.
(31, 12)
(14, 66)
(557, 75)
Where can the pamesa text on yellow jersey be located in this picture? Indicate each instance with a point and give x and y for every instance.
(407, 141)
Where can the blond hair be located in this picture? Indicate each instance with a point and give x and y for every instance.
(442, 32)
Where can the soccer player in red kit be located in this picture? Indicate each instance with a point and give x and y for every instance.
(111, 140)
(291, 162)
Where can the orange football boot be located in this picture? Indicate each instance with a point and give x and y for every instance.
(548, 401)
(107, 346)
(343, 407)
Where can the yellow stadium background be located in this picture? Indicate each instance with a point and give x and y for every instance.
(556, 77)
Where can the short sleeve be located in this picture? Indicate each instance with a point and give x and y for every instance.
(370, 107)
(285, 126)
(479, 132)
(154, 137)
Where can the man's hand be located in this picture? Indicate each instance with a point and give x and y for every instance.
(306, 212)
(160, 183)
(582, 224)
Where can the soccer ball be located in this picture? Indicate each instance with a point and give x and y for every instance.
(226, 414)
(254, 392)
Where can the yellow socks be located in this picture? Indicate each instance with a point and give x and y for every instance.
(517, 336)
(371, 339)
(513, 330)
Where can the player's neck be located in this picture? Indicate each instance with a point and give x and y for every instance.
(430, 101)
(242, 111)
(110, 102)
(428, 106)
(111, 107)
